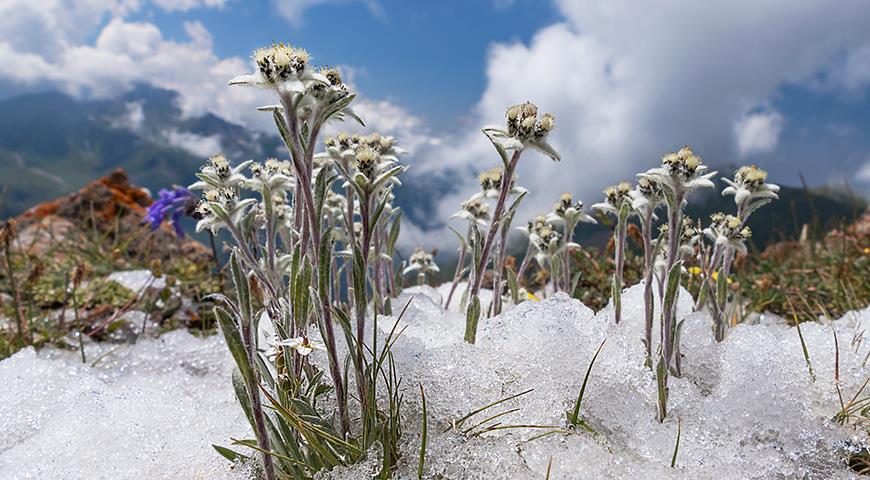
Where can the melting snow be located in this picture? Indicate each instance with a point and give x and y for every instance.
(747, 407)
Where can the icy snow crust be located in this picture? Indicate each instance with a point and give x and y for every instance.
(747, 407)
(146, 411)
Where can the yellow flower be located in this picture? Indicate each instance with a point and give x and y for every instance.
(531, 296)
(867, 250)
(696, 271)
(716, 278)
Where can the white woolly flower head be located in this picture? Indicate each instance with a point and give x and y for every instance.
(728, 229)
(421, 262)
(681, 172)
(647, 195)
(614, 197)
(750, 184)
(474, 210)
(491, 181)
(280, 62)
(567, 211)
(523, 128)
(274, 174)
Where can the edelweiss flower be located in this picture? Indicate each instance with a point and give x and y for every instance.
(523, 130)
(283, 68)
(568, 212)
(681, 172)
(490, 184)
(274, 174)
(218, 174)
(474, 210)
(749, 184)
(646, 196)
(728, 230)
(614, 196)
(422, 262)
(220, 206)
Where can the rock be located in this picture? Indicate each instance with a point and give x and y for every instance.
(38, 237)
(137, 280)
(113, 208)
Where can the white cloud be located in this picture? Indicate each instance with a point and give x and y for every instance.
(133, 118)
(758, 133)
(200, 145)
(863, 173)
(294, 10)
(629, 81)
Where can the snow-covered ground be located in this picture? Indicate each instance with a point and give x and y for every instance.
(747, 407)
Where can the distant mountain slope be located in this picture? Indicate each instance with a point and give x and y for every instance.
(52, 144)
(779, 220)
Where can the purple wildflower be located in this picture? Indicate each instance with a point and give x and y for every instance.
(171, 204)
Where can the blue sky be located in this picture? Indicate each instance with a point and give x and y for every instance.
(428, 56)
(779, 83)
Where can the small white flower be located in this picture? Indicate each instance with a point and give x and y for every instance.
(490, 184)
(217, 173)
(750, 184)
(422, 262)
(474, 210)
(681, 172)
(301, 345)
(568, 212)
(728, 230)
(614, 196)
(524, 130)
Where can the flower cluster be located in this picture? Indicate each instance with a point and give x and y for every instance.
(727, 229)
(681, 171)
(281, 62)
(474, 210)
(274, 174)
(749, 184)
(614, 197)
(568, 212)
(523, 129)
(423, 263)
(522, 122)
(490, 184)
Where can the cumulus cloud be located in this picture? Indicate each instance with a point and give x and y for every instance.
(125, 53)
(200, 145)
(863, 173)
(629, 81)
(758, 133)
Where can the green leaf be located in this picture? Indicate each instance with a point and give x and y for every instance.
(672, 287)
(505, 158)
(325, 261)
(240, 280)
(471, 318)
(301, 295)
(230, 455)
(677, 444)
(424, 435)
(394, 234)
(512, 285)
(616, 293)
(721, 288)
(575, 415)
(463, 244)
(376, 216)
(359, 278)
(661, 383)
(235, 344)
